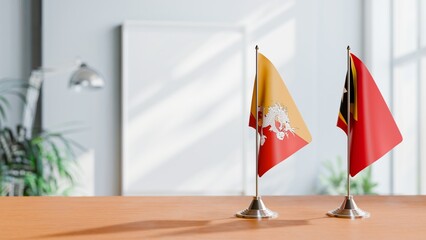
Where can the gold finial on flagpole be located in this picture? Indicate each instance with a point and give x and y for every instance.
(257, 208)
(348, 209)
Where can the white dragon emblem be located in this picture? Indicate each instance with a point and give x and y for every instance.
(276, 114)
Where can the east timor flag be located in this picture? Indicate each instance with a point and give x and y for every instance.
(281, 127)
(373, 130)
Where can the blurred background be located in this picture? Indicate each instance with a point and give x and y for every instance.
(172, 116)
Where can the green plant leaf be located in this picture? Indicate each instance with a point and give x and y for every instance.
(334, 177)
(47, 159)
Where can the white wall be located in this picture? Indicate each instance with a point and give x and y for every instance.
(305, 39)
(378, 58)
(394, 52)
(15, 47)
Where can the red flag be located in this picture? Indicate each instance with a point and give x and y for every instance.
(281, 127)
(373, 129)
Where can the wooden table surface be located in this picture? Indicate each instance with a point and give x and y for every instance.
(300, 217)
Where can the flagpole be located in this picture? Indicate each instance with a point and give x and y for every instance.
(257, 208)
(348, 209)
(257, 128)
(348, 119)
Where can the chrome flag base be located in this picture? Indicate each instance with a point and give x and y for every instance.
(348, 209)
(257, 209)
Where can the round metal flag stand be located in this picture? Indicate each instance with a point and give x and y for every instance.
(348, 209)
(257, 209)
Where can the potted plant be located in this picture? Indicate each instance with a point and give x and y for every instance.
(32, 165)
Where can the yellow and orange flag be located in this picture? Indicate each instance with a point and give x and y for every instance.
(280, 125)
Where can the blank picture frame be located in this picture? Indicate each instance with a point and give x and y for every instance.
(183, 109)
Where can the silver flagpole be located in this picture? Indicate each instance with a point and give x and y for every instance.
(257, 127)
(348, 209)
(348, 120)
(257, 208)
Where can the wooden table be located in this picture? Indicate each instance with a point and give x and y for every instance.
(392, 217)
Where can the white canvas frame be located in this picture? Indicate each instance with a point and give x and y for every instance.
(127, 28)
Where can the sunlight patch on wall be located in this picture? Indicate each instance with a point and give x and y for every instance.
(216, 44)
(283, 36)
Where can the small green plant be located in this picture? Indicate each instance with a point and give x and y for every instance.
(32, 166)
(334, 180)
(41, 165)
